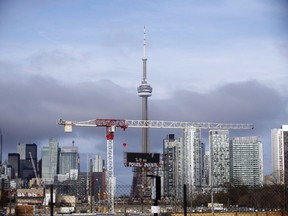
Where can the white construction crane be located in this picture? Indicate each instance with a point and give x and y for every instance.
(111, 125)
(34, 169)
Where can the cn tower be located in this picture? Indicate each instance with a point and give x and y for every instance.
(144, 91)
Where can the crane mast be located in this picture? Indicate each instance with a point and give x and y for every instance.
(112, 124)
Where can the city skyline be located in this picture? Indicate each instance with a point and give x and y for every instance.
(213, 62)
(248, 172)
(191, 164)
(84, 166)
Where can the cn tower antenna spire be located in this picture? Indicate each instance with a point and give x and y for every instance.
(144, 44)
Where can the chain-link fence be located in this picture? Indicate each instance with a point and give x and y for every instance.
(72, 198)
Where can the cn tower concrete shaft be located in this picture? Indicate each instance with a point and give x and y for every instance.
(145, 131)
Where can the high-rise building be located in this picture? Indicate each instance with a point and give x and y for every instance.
(14, 161)
(26, 171)
(31, 148)
(279, 145)
(50, 161)
(219, 174)
(26, 164)
(69, 159)
(98, 164)
(21, 150)
(172, 166)
(192, 157)
(205, 178)
(246, 160)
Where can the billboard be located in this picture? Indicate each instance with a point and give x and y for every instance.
(137, 159)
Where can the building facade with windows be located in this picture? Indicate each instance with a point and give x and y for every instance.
(98, 163)
(246, 161)
(14, 161)
(219, 174)
(50, 161)
(69, 160)
(26, 170)
(193, 158)
(279, 149)
(172, 166)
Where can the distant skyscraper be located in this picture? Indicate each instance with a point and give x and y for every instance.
(26, 164)
(219, 158)
(21, 150)
(246, 160)
(31, 148)
(26, 171)
(98, 164)
(279, 145)
(14, 161)
(192, 152)
(172, 166)
(50, 161)
(69, 159)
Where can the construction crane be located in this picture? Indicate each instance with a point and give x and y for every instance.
(112, 124)
(34, 169)
(151, 124)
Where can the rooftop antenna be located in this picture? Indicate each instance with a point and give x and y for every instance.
(144, 44)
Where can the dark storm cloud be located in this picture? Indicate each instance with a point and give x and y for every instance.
(29, 110)
(241, 102)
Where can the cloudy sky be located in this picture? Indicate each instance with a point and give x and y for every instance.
(209, 61)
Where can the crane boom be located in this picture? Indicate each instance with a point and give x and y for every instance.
(151, 124)
(181, 125)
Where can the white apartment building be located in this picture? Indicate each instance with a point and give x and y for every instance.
(219, 174)
(192, 158)
(97, 164)
(279, 148)
(246, 160)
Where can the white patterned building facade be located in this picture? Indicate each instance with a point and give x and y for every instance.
(279, 149)
(219, 174)
(192, 158)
